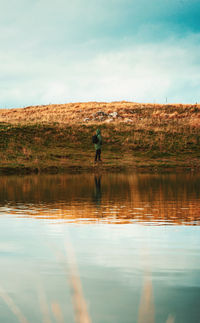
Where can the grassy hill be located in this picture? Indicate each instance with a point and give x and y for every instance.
(56, 138)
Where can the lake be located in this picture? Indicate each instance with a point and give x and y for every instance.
(104, 248)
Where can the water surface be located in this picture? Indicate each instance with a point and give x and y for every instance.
(134, 239)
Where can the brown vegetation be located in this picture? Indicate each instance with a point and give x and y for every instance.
(58, 137)
(145, 115)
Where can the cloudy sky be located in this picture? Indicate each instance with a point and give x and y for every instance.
(99, 50)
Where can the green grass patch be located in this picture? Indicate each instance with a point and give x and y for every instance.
(55, 147)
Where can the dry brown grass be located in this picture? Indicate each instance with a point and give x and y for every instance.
(12, 306)
(79, 302)
(143, 115)
(41, 138)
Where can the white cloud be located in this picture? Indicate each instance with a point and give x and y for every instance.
(56, 92)
(144, 73)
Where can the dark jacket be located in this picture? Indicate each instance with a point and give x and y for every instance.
(99, 143)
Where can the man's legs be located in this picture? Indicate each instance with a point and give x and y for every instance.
(98, 155)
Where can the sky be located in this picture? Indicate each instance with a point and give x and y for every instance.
(99, 50)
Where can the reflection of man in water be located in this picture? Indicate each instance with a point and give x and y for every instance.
(97, 192)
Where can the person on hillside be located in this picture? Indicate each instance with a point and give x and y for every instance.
(98, 146)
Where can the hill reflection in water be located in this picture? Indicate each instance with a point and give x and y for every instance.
(111, 198)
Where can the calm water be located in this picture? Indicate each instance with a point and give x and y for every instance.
(128, 245)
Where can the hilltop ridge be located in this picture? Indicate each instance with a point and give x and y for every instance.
(104, 112)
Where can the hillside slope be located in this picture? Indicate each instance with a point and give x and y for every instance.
(135, 136)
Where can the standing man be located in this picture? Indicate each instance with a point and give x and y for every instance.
(98, 146)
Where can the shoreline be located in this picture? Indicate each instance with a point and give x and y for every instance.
(78, 169)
